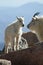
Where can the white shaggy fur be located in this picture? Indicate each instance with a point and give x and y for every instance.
(13, 33)
(9, 48)
(23, 44)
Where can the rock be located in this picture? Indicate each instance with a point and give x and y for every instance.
(29, 56)
(31, 38)
(5, 62)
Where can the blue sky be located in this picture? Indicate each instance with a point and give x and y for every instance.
(16, 3)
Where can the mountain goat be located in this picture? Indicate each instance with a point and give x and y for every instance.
(13, 34)
(36, 26)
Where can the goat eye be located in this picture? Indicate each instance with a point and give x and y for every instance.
(20, 21)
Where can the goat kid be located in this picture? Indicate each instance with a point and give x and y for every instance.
(13, 33)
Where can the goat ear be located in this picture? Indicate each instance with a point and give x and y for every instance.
(17, 17)
(22, 16)
(34, 18)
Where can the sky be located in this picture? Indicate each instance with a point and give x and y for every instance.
(17, 3)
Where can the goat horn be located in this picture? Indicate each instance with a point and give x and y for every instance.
(37, 13)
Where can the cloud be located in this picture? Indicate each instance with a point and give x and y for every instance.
(16, 3)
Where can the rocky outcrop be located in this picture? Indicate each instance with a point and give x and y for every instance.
(29, 56)
(31, 38)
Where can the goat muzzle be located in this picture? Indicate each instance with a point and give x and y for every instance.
(23, 25)
(27, 26)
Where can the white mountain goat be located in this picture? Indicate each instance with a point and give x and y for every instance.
(13, 34)
(36, 26)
